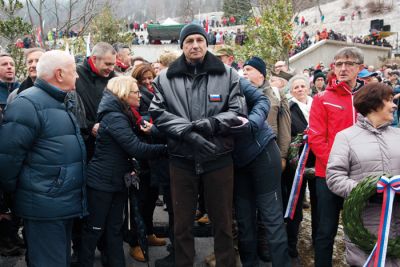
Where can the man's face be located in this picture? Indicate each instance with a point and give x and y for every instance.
(69, 76)
(280, 66)
(31, 62)
(319, 82)
(7, 69)
(228, 60)
(124, 55)
(105, 64)
(347, 69)
(194, 47)
(252, 74)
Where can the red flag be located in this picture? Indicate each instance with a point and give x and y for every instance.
(207, 29)
(39, 36)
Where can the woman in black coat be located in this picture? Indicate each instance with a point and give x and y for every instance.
(300, 105)
(152, 172)
(117, 143)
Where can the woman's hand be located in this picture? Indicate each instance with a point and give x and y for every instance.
(146, 128)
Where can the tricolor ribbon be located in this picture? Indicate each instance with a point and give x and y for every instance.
(297, 181)
(389, 187)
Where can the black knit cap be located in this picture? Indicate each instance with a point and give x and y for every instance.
(258, 64)
(318, 74)
(190, 29)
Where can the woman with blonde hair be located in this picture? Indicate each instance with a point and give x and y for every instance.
(116, 144)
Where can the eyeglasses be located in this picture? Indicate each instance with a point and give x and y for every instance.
(346, 63)
(135, 92)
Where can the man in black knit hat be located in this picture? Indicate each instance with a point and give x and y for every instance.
(198, 105)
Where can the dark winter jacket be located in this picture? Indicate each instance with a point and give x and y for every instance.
(5, 90)
(158, 168)
(42, 155)
(90, 87)
(188, 93)
(299, 125)
(249, 145)
(116, 143)
(27, 83)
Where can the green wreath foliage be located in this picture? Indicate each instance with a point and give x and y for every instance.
(352, 218)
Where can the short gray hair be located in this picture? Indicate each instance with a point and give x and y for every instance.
(50, 61)
(298, 77)
(29, 51)
(102, 48)
(350, 52)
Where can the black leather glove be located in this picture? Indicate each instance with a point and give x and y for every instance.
(203, 148)
(206, 127)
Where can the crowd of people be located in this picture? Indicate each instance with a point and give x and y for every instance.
(86, 149)
(305, 40)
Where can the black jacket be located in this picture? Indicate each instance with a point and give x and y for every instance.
(90, 87)
(42, 155)
(298, 125)
(116, 144)
(183, 97)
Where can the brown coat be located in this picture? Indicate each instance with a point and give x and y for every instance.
(360, 151)
(279, 118)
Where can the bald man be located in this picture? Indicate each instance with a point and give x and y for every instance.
(42, 158)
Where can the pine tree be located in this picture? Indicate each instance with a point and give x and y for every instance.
(12, 28)
(240, 9)
(269, 36)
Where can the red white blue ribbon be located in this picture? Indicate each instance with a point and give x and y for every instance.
(389, 187)
(297, 182)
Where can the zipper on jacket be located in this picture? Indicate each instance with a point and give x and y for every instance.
(333, 105)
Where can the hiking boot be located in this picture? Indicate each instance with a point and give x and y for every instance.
(137, 254)
(210, 260)
(168, 261)
(153, 240)
(204, 219)
(198, 215)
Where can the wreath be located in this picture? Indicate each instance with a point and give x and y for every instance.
(352, 218)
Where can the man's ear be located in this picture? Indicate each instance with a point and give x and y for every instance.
(58, 75)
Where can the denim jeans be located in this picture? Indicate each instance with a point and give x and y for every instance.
(258, 189)
(48, 242)
(328, 210)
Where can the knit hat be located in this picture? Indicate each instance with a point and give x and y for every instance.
(258, 64)
(190, 29)
(318, 74)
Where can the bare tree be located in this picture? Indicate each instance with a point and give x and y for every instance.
(38, 9)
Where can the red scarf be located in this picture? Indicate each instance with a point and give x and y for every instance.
(138, 117)
(151, 89)
(92, 66)
(121, 65)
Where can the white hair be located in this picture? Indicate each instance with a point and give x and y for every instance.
(50, 61)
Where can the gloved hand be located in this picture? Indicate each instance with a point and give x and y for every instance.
(206, 127)
(203, 148)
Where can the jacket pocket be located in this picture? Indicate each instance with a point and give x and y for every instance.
(333, 105)
(58, 182)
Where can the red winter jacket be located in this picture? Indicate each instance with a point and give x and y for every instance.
(331, 112)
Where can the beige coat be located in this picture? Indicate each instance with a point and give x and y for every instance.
(279, 118)
(360, 151)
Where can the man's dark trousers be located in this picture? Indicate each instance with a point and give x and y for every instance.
(218, 194)
(49, 242)
(328, 210)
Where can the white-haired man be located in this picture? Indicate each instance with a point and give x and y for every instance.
(42, 160)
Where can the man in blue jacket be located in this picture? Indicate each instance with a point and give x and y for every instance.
(42, 160)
